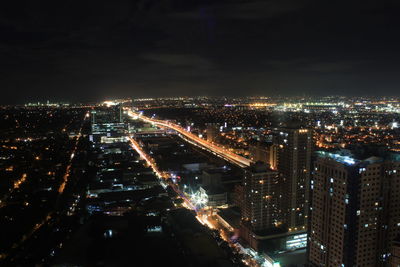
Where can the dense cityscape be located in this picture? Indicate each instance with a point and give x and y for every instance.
(201, 181)
(200, 133)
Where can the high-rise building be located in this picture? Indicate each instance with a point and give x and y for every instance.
(260, 210)
(355, 211)
(294, 164)
(260, 207)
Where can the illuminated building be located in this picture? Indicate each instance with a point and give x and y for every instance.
(107, 115)
(355, 213)
(294, 163)
(260, 200)
(108, 126)
(108, 133)
(216, 196)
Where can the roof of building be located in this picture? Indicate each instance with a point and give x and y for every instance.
(365, 155)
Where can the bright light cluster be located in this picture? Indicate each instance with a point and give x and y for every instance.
(199, 199)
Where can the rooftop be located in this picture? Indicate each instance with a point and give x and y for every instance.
(345, 159)
(365, 154)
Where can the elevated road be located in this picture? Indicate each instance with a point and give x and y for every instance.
(217, 150)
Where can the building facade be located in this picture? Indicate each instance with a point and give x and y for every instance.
(260, 201)
(294, 164)
(355, 211)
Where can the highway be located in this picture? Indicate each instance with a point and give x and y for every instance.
(217, 150)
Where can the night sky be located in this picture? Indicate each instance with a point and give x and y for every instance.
(93, 50)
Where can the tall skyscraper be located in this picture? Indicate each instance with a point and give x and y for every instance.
(260, 210)
(294, 164)
(355, 211)
(260, 207)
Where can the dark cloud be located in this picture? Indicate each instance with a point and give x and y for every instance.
(88, 50)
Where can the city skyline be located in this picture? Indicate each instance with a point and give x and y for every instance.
(240, 182)
(200, 133)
